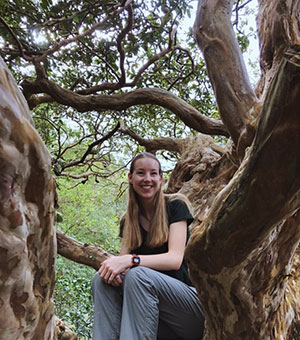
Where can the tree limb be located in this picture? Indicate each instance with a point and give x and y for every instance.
(276, 35)
(187, 113)
(17, 41)
(272, 168)
(91, 146)
(225, 65)
(87, 254)
(253, 220)
(66, 42)
(151, 145)
(121, 51)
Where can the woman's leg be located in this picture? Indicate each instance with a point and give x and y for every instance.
(107, 310)
(150, 297)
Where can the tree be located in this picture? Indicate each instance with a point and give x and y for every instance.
(244, 252)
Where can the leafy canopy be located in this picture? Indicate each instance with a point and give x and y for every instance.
(104, 47)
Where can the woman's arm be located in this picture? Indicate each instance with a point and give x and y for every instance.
(171, 260)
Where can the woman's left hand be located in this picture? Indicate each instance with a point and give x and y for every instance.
(113, 266)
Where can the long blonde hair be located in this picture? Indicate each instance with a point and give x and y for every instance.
(159, 231)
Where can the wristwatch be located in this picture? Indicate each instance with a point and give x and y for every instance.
(135, 260)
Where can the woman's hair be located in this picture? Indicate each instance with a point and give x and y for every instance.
(159, 231)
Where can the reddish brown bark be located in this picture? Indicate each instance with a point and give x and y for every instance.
(226, 68)
(27, 213)
(187, 113)
(252, 230)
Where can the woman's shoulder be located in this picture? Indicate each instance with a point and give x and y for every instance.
(178, 209)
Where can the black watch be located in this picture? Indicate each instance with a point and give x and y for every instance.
(135, 260)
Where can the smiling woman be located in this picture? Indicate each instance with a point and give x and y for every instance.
(145, 177)
(154, 233)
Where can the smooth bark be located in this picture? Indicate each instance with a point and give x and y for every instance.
(187, 113)
(226, 69)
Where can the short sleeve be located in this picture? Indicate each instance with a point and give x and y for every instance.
(177, 211)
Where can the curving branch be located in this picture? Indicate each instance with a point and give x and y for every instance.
(187, 113)
(17, 41)
(121, 51)
(114, 86)
(226, 68)
(98, 142)
(66, 42)
(152, 145)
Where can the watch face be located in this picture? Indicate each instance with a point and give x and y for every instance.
(136, 260)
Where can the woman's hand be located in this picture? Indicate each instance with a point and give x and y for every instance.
(111, 269)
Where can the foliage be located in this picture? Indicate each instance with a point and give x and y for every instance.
(100, 47)
(88, 48)
(90, 213)
(72, 297)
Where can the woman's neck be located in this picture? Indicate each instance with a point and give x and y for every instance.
(147, 209)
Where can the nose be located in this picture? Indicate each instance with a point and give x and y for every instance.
(147, 177)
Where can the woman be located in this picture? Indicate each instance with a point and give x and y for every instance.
(145, 293)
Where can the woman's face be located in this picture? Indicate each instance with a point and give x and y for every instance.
(145, 179)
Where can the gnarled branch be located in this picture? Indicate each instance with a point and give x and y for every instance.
(259, 207)
(187, 113)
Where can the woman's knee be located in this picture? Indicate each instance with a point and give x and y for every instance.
(137, 276)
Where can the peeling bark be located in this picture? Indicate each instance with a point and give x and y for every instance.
(62, 332)
(253, 228)
(27, 214)
(276, 35)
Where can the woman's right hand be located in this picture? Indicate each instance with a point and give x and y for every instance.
(112, 267)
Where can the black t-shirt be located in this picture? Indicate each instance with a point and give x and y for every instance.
(177, 211)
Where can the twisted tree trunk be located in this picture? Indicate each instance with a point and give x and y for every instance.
(27, 214)
(240, 258)
(243, 257)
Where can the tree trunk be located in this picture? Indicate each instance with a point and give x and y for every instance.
(253, 229)
(27, 214)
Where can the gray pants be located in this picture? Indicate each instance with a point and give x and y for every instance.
(149, 306)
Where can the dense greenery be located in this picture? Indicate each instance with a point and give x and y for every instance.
(90, 213)
(100, 47)
(73, 300)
